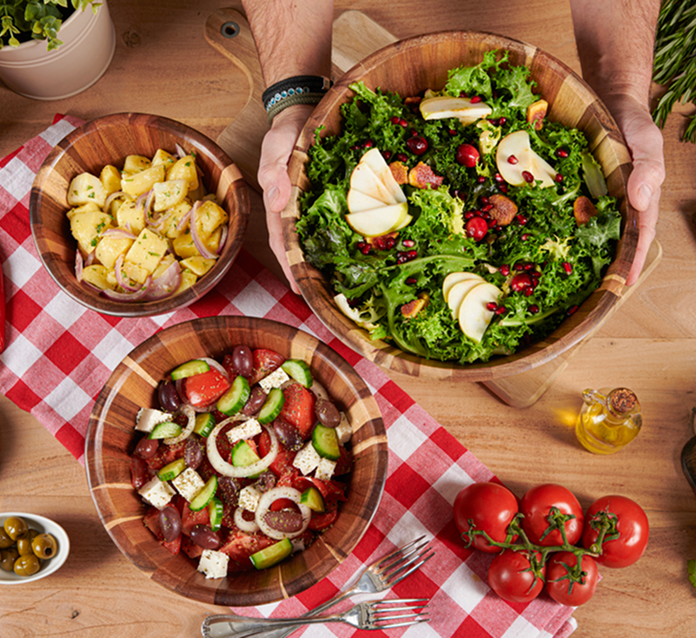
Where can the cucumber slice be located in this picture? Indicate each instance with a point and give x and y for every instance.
(172, 470)
(313, 499)
(205, 424)
(298, 370)
(215, 510)
(272, 554)
(189, 369)
(242, 455)
(325, 442)
(272, 407)
(205, 495)
(235, 398)
(165, 430)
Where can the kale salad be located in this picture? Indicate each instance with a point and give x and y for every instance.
(460, 224)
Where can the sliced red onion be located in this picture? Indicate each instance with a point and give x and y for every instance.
(243, 524)
(90, 286)
(128, 296)
(265, 503)
(223, 239)
(148, 205)
(185, 219)
(91, 258)
(180, 152)
(198, 242)
(218, 366)
(166, 284)
(227, 469)
(118, 233)
(186, 432)
(120, 279)
(112, 197)
(79, 265)
(140, 202)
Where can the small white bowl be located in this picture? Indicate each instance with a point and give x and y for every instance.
(44, 526)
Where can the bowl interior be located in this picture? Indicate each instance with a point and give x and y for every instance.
(408, 68)
(110, 439)
(44, 526)
(109, 140)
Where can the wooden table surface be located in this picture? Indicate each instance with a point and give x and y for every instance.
(163, 65)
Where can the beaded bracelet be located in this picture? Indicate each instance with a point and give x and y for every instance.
(300, 89)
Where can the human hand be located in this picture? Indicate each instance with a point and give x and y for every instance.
(273, 178)
(645, 143)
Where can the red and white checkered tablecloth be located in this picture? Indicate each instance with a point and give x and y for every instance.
(58, 356)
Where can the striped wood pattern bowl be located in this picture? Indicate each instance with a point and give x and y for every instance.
(110, 440)
(409, 67)
(108, 140)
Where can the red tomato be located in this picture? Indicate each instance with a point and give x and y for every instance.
(240, 545)
(166, 454)
(265, 362)
(189, 519)
(298, 408)
(282, 464)
(491, 507)
(562, 588)
(511, 576)
(628, 520)
(536, 505)
(206, 388)
(321, 520)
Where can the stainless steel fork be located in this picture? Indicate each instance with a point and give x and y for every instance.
(378, 614)
(377, 577)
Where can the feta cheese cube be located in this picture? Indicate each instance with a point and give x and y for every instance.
(307, 459)
(188, 483)
(325, 469)
(147, 419)
(247, 430)
(213, 563)
(344, 431)
(274, 380)
(249, 498)
(157, 493)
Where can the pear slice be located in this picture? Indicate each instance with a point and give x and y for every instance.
(474, 316)
(459, 292)
(374, 159)
(358, 201)
(364, 180)
(444, 106)
(455, 278)
(378, 221)
(517, 144)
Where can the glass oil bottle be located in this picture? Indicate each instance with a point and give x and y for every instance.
(609, 420)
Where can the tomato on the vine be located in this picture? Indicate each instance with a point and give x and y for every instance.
(491, 507)
(536, 505)
(628, 520)
(560, 585)
(513, 578)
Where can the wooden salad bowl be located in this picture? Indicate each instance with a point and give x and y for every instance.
(408, 67)
(108, 140)
(110, 439)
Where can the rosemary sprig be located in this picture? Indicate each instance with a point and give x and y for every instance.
(674, 65)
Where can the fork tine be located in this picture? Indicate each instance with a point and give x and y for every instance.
(383, 562)
(410, 566)
(408, 554)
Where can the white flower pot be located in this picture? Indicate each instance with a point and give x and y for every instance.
(88, 45)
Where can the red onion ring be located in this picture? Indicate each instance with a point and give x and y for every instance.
(227, 469)
(79, 265)
(185, 219)
(198, 242)
(112, 197)
(120, 233)
(166, 284)
(223, 239)
(91, 258)
(128, 296)
(180, 152)
(120, 279)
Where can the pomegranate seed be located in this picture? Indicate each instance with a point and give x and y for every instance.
(561, 152)
(401, 157)
(571, 310)
(498, 178)
(403, 123)
(355, 147)
(492, 223)
(529, 291)
(469, 214)
(502, 121)
(476, 228)
(452, 132)
(484, 199)
(512, 160)
(480, 179)
(505, 270)
(395, 120)
(412, 254)
(365, 250)
(368, 144)
(528, 177)
(389, 243)
(475, 99)
(462, 94)
(417, 145)
(386, 155)
(409, 243)
(467, 155)
(526, 236)
(486, 207)
(401, 258)
(519, 267)
(533, 309)
(411, 281)
(567, 267)
(503, 188)
(491, 305)
(413, 132)
(558, 178)
(500, 310)
(528, 266)
(521, 220)
(521, 282)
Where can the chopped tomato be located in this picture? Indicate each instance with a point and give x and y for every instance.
(189, 518)
(151, 521)
(190, 548)
(240, 545)
(265, 362)
(166, 454)
(344, 464)
(173, 546)
(282, 464)
(331, 491)
(282, 504)
(320, 521)
(298, 409)
(204, 389)
(140, 473)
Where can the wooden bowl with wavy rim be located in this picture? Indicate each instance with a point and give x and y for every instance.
(408, 67)
(111, 438)
(108, 140)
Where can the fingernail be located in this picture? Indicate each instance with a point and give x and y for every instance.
(644, 197)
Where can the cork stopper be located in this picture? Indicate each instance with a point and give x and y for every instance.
(622, 400)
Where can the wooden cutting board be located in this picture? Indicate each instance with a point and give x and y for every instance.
(355, 36)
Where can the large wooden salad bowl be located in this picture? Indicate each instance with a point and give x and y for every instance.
(108, 140)
(408, 67)
(110, 440)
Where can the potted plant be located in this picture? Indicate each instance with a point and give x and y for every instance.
(53, 49)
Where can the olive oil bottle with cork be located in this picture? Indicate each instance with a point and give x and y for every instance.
(609, 420)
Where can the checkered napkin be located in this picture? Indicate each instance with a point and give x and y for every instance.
(59, 355)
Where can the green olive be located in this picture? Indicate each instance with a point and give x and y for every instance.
(24, 546)
(44, 546)
(5, 540)
(27, 565)
(8, 558)
(15, 527)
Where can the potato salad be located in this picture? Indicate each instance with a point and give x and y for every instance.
(146, 231)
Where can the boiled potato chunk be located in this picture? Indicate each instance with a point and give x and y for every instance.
(85, 208)
(97, 275)
(139, 183)
(198, 265)
(86, 188)
(147, 251)
(164, 158)
(110, 178)
(208, 217)
(169, 193)
(86, 228)
(187, 280)
(172, 219)
(136, 164)
(129, 215)
(184, 246)
(185, 168)
(134, 272)
(110, 248)
(167, 261)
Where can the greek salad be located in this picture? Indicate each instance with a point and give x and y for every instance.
(243, 462)
(459, 224)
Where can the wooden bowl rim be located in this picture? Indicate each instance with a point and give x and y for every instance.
(318, 295)
(210, 591)
(92, 300)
